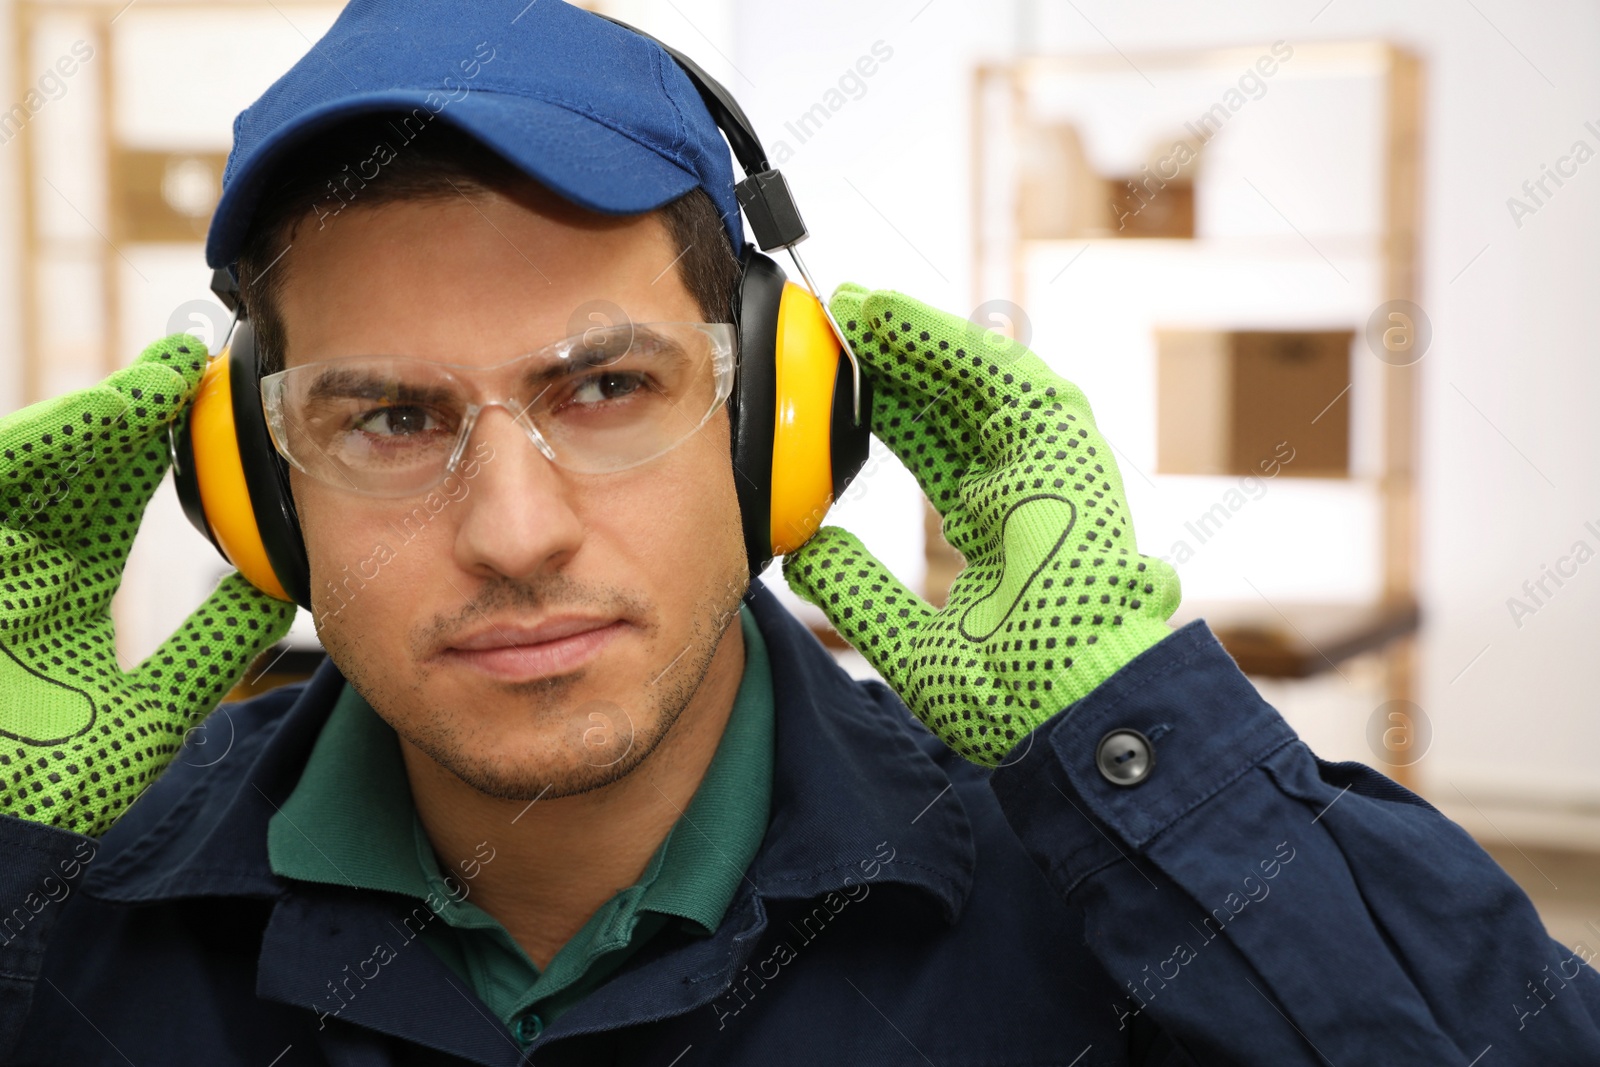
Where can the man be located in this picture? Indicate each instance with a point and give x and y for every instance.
(567, 791)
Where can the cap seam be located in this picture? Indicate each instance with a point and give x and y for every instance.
(657, 55)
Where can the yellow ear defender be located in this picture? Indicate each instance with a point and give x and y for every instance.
(221, 486)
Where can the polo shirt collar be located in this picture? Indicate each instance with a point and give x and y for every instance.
(350, 818)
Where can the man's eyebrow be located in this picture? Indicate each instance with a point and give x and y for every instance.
(345, 383)
(664, 349)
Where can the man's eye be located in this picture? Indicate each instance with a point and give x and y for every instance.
(397, 422)
(598, 388)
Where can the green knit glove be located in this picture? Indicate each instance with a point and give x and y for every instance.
(79, 737)
(1055, 597)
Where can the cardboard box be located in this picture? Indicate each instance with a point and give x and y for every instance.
(1228, 401)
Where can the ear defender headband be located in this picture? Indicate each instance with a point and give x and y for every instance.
(800, 411)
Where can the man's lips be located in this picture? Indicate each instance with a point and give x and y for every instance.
(513, 651)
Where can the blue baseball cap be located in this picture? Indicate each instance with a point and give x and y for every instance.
(601, 115)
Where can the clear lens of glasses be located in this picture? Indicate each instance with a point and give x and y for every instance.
(611, 398)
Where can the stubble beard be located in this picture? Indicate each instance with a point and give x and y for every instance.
(607, 742)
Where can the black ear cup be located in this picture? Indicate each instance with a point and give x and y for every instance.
(753, 407)
(266, 473)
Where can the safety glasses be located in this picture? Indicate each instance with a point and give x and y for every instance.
(605, 400)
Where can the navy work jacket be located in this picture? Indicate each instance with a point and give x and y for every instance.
(1243, 903)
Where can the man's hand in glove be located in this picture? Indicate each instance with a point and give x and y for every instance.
(79, 737)
(1055, 597)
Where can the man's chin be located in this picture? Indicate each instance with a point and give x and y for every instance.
(544, 781)
(595, 743)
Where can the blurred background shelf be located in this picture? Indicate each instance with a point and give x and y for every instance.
(1294, 640)
(1235, 247)
(286, 662)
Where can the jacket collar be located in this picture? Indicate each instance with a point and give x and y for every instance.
(854, 788)
(854, 782)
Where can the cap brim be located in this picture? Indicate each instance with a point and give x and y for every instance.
(579, 158)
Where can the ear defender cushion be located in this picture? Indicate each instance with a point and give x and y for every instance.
(753, 408)
(797, 444)
(233, 487)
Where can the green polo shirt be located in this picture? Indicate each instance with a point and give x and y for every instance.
(351, 821)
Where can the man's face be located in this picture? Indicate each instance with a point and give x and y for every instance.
(530, 629)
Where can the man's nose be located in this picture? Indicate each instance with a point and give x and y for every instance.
(520, 518)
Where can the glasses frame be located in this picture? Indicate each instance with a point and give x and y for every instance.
(724, 360)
